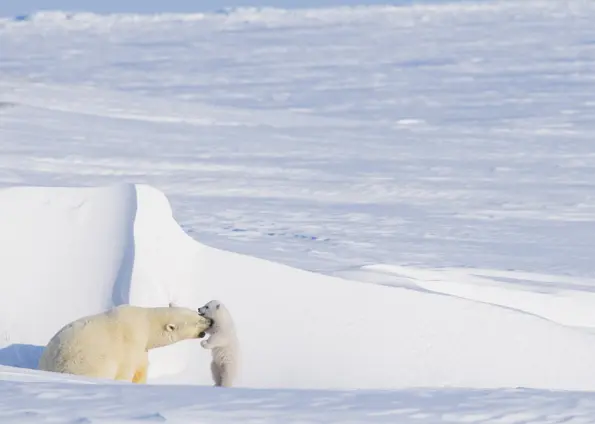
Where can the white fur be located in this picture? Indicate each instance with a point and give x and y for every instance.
(115, 344)
(223, 342)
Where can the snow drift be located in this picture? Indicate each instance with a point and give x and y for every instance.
(68, 252)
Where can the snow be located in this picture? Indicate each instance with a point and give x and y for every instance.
(132, 251)
(189, 404)
(407, 191)
(182, 6)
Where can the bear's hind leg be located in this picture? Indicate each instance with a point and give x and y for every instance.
(225, 376)
(216, 373)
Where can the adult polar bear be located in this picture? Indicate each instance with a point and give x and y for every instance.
(115, 344)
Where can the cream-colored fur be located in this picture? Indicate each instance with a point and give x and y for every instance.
(115, 344)
(223, 342)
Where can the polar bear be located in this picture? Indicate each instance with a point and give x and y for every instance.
(115, 344)
(223, 342)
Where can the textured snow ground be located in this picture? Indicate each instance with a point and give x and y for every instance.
(443, 151)
(81, 403)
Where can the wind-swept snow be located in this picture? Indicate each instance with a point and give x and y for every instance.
(434, 162)
(442, 135)
(97, 247)
(566, 300)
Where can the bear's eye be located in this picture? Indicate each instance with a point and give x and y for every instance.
(170, 327)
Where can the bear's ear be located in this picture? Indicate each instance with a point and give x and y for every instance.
(170, 327)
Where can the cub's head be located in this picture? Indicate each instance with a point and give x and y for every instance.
(174, 323)
(210, 309)
(214, 310)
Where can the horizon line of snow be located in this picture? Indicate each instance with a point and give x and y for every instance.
(266, 14)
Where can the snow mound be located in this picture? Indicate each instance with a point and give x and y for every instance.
(68, 252)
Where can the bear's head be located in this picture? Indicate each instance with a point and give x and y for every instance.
(216, 311)
(210, 309)
(175, 323)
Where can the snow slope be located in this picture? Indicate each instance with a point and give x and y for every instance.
(432, 164)
(97, 247)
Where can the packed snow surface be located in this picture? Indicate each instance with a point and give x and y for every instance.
(396, 204)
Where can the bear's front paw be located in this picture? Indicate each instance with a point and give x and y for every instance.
(205, 344)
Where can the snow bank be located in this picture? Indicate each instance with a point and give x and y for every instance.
(65, 253)
(68, 252)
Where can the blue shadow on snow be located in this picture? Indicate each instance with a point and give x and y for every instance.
(21, 355)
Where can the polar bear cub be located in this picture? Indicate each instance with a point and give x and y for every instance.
(223, 342)
(115, 344)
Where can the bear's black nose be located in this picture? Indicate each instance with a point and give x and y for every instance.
(201, 334)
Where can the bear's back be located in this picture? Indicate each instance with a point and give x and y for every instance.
(94, 335)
